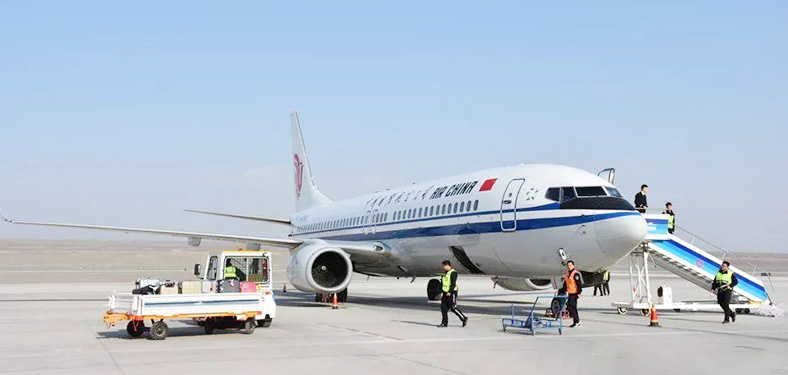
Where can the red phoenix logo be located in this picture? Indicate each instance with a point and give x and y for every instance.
(299, 174)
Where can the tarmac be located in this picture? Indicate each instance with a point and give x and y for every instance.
(50, 323)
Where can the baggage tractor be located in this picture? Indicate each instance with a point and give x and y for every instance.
(168, 290)
(191, 287)
(227, 286)
(208, 286)
(248, 287)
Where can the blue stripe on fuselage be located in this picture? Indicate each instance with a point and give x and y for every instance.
(478, 228)
(545, 207)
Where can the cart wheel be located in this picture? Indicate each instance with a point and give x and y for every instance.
(644, 312)
(135, 329)
(746, 311)
(555, 306)
(249, 326)
(265, 323)
(159, 331)
(209, 329)
(622, 310)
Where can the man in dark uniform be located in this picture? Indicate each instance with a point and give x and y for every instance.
(723, 283)
(449, 296)
(641, 202)
(573, 286)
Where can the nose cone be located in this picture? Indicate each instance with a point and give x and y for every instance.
(617, 236)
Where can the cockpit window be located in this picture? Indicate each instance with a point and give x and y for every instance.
(613, 192)
(567, 193)
(590, 191)
(553, 194)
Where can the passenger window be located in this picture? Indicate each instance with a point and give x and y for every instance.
(462, 206)
(476, 205)
(468, 207)
(419, 211)
(432, 210)
(553, 194)
(455, 207)
(443, 210)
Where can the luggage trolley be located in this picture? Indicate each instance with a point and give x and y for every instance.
(552, 319)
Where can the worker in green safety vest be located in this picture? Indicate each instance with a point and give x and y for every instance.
(230, 272)
(449, 295)
(671, 217)
(723, 284)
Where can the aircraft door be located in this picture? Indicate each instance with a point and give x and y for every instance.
(509, 205)
(375, 218)
(365, 222)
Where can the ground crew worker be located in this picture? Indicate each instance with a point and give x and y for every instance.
(230, 271)
(641, 202)
(671, 218)
(606, 285)
(573, 286)
(449, 296)
(723, 283)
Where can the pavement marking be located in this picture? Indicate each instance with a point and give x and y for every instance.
(522, 336)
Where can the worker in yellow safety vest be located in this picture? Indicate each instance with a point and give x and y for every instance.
(723, 284)
(573, 286)
(671, 217)
(449, 296)
(230, 272)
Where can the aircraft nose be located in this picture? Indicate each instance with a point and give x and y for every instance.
(619, 235)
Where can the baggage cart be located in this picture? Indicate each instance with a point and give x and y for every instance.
(551, 319)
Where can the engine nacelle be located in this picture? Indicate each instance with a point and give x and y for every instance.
(320, 268)
(523, 284)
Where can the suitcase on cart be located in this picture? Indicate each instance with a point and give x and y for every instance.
(227, 286)
(207, 286)
(248, 287)
(168, 289)
(191, 287)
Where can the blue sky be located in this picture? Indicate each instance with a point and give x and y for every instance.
(126, 113)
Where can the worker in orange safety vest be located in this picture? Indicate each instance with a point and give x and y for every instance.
(573, 286)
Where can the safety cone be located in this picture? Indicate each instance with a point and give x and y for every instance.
(284, 288)
(335, 302)
(654, 318)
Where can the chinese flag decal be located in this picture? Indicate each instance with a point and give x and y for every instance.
(488, 184)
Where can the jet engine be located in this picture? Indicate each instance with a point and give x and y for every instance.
(320, 268)
(523, 284)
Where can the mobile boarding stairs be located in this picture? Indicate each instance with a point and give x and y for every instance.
(693, 264)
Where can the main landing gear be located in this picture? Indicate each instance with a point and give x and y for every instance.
(327, 297)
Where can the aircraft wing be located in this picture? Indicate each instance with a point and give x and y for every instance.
(355, 249)
(244, 217)
(194, 237)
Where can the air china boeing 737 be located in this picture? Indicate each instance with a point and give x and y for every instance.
(515, 224)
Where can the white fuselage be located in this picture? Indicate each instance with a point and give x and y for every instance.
(496, 222)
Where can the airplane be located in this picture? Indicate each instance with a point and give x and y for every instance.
(517, 225)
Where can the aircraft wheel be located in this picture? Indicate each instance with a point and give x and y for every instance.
(622, 310)
(434, 290)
